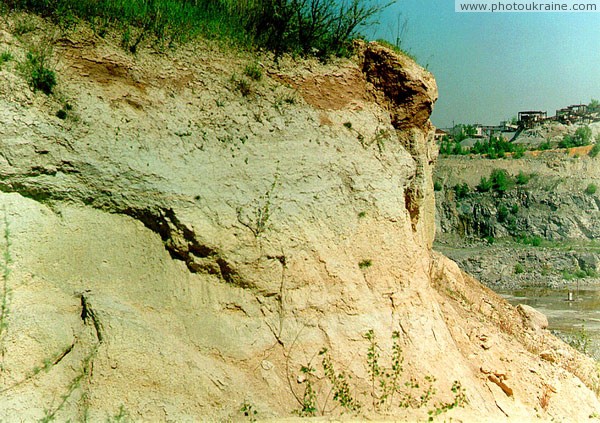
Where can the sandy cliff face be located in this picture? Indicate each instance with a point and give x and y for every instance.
(181, 248)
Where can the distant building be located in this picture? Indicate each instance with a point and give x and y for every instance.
(530, 118)
(572, 114)
(479, 133)
(440, 133)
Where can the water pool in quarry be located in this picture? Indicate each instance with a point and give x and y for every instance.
(573, 312)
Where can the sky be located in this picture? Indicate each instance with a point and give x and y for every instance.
(490, 66)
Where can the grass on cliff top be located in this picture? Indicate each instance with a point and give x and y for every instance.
(308, 27)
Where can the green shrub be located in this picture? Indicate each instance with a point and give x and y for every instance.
(545, 146)
(497, 147)
(461, 190)
(533, 240)
(310, 27)
(437, 185)
(37, 70)
(519, 152)
(574, 274)
(253, 71)
(502, 213)
(484, 184)
(591, 189)
(6, 56)
(566, 142)
(582, 136)
(523, 178)
(365, 264)
(457, 149)
(596, 148)
(501, 180)
(514, 209)
(519, 269)
(243, 85)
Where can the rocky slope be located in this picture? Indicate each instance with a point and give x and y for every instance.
(184, 245)
(555, 207)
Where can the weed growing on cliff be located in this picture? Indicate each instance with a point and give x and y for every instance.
(45, 366)
(121, 416)
(248, 410)
(460, 400)
(384, 382)
(339, 388)
(340, 385)
(489, 239)
(282, 99)
(309, 397)
(380, 138)
(37, 69)
(519, 269)
(596, 148)
(365, 264)
(253, 71)
(519, 152)
(243, 85)
(81, 380)
(387, 388)
(258, 222)
(501, 180)
(6, 56)
(83, 372)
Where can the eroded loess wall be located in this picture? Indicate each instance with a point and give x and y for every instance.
(181, 247)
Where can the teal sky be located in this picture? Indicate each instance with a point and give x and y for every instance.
(490, 66)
